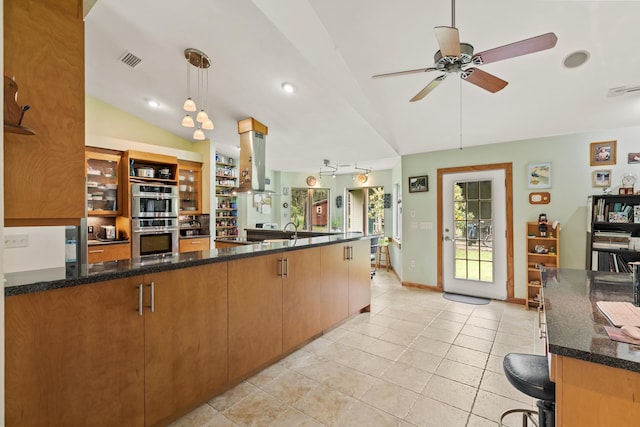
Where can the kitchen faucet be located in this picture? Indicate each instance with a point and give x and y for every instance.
(295, 233)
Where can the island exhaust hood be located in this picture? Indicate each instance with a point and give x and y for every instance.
(252, 177)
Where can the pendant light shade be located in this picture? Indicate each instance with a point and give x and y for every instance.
(202, 116)
(201, 62)
(198, 135)
(208, 125)
(189, 105)
(187, 121)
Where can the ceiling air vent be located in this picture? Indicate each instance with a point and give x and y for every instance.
(130, 59)
(621, 90)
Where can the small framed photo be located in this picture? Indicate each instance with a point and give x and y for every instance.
(418, 184)
(602, 178)
(633, 158)
(603, 153)
(539, 175)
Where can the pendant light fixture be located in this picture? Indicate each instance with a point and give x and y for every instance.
(202, 63)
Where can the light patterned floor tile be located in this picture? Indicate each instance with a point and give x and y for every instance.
(427, 412)
(450, 392)
(390, 398)
(416, 360)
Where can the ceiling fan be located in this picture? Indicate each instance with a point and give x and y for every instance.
(456, 57)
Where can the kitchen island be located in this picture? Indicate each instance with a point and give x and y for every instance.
(144, 341)
(597, 379)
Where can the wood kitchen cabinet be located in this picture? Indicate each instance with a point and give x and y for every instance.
(346, 284)
(334, 284)
(75, 356)
(43, 173)
(85, 355)
(108, 252)
(301, 297)
(190, 186)
(194, 244)
(359, 276)
(255, 314)
(104, 192)
(185, 340)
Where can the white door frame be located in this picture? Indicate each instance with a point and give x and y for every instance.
(497, 287)
(508, 170)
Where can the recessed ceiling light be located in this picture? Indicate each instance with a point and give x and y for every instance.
(288, 87)
(153, 104)
(576, 59)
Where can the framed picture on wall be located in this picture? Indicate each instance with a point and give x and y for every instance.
(418, 184)
(602, 178)
(633, 158)
(603, 153)
(539, 175)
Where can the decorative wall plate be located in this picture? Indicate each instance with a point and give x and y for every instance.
(539, 198)
(311, 180)
(362, 178)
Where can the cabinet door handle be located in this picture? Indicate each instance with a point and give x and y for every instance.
(349, 253)
(153, 297)
(281, 267)
(140, 299)
(286, 267)
(96, 251)
(542, 326)
(346, 252)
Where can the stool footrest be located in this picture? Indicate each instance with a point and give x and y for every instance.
(527, 415)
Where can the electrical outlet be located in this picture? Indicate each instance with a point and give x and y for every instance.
(413, 263)
(90, 229)
(16, 241)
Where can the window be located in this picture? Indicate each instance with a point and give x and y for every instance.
(310, 208)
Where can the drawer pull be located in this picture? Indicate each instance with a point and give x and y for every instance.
(96, 251)
(196, 243)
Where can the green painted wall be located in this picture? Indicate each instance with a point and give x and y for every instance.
(571, 185)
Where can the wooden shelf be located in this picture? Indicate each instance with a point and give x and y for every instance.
(550, 259)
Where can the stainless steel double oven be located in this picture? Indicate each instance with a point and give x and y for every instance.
(154, 223)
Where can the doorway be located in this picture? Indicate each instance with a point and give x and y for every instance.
(365, 210)
(475, 225)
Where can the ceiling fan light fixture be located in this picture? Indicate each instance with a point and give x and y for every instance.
(576, 59)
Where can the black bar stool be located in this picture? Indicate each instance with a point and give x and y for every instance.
(529, 373)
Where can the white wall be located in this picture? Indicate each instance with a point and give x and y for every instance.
(45, 250)
(571, 184)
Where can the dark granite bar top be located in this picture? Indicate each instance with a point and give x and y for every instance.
(575, 326)
(82, 274)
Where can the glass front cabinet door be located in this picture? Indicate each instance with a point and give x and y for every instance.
(103, 189)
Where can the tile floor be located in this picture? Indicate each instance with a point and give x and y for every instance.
(416, 360)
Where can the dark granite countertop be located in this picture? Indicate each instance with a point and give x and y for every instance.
(575, 326)
(82, 274)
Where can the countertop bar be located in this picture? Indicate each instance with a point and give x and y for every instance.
(575, 326)
(82, 274)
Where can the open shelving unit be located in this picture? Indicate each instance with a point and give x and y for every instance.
(226, 216)
(613, 233)
(542, 251)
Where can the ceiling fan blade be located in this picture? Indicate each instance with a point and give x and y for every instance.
(523, 47)
(484, 80)
(448, 40)
(428, 88)
(402, 73)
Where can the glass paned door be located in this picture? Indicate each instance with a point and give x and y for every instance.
(310, 208)
(474, 212)
(473, 226)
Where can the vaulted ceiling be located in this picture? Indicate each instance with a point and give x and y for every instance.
(329, 49)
